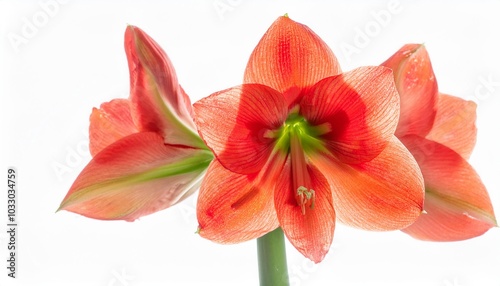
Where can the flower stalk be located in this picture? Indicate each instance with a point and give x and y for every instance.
(273, 269)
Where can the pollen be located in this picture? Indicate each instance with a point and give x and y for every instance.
(305, 197)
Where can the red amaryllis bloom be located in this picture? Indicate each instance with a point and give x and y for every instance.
(147, 153)
(300, 144)
(439, 130)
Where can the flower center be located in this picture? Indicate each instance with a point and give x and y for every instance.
(308, 135)
(297, 138)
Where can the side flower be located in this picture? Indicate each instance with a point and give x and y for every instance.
(147, 155)
(300, 144)
(440, 132)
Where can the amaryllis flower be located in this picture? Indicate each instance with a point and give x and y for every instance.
(300, 144)
(147, 154)
(439, 130)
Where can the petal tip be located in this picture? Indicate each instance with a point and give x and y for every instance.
(417, 87)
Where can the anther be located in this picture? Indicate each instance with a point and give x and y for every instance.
(304, 196)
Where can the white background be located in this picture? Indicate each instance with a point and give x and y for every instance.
(74, 60)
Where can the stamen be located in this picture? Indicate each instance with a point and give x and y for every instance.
(304, 196)
(321, 129)
(271, 134)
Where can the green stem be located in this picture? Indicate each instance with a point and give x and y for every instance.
(273, 270)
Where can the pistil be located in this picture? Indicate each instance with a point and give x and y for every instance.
(304, 196)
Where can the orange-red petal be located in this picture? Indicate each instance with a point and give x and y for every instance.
(109, 123)
(360, 109)
(386, 193)
(457, 205)
(289, 57)
(235, 123)
(311, 233)
(233, 208)
(417, 87)
(159, 104)
(454, 125)
(135, 176)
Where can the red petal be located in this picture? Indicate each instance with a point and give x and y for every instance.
(310, 233)
(360, 108)
(454, 125)
(234, 124)
(233, 208)
(290, 56)
(136, 176)
(111, 122)
(417, 87)
(386, 193)
(457, 204)
(158, 102)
